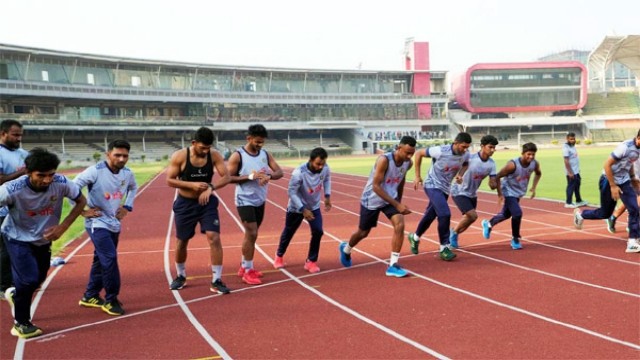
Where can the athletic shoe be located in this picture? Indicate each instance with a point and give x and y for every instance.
(278, 263)
(178, 283)
(94, 301)
(251, 277)
(242, 270)
(26, 330)
(311, 267)
(396, 270)
(446, 254)
(113, 308)
(453, 239)
(582, 203)
(570, 206)
(633, 246)
(577, 218)
(8, 295)
(345, 258)
(414, 241)
(486, 229)
(611, 224)
(219, 287)
(515, 244)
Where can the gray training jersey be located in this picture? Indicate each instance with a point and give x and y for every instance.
(516, 183)
(625, 156)
(11, 160)
(107, 191)
(305, 188)
(571, 153)
(472, 178)
(32, 212)
(250, 193)
(444, 168)
(392, 179)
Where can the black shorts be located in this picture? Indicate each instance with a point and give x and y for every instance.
(188, 213)
(251, 214)
(369, 218)
(465, 204)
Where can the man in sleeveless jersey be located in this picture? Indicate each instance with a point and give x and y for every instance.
(35, 208)
(191, 171)
(308, 183)
(516, 173)
(111, 193)
(449, 162)
(383, 194)
(11, 167)
(465, 194)
(572, 171)
(617, 182)
(251, 168)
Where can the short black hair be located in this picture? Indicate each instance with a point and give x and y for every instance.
(529, 147)
(40, 159)
(463, 137)
(203, 135)
(571, 134)
(119, 144)
(489, 139)
(318, 153)
(257, 130)
(408, 140)
(6, 125)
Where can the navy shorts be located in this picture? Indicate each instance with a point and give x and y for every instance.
(369, 218)
(465, 204)
(251, 214)
(189, 212)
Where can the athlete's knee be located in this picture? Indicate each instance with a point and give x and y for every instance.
(472, 216)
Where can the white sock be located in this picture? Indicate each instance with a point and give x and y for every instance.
(442, 247)
(394, 258)
(347, 249)
(248, 264)
(216, 270)
(181, 269)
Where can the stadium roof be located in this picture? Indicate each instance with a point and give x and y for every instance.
(623, 49)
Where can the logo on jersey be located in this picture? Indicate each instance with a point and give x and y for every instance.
(47, 211)
(115, 196)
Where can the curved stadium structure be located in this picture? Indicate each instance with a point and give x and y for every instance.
(63, 98)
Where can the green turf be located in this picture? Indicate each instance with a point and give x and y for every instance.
(551, 186)
(143, 173)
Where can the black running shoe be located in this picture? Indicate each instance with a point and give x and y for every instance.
(26, 330)
(178, 283)
(219, 287)
(113, 308)
(94, 301)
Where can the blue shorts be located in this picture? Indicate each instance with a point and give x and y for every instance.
(465, 203)
(369, 218)
(188, 213)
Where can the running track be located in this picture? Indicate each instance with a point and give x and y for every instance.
(567, 294)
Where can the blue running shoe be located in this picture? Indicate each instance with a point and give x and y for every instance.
(486, 229)
(515, 244)
(453, 239)
(396, 270)
(345, 259)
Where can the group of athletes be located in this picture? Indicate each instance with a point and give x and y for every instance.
(33, 193)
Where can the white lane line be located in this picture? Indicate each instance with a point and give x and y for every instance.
(337, 304)
(176, 294)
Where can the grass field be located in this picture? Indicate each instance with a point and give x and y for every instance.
(552, 184)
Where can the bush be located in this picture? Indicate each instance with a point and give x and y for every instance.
(588, 141)
(554, 141)
(97, 156)
(578, 141)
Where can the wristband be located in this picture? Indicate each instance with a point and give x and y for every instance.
(211, 186)
(252, 176)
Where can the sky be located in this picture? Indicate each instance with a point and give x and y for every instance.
(328, 34)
